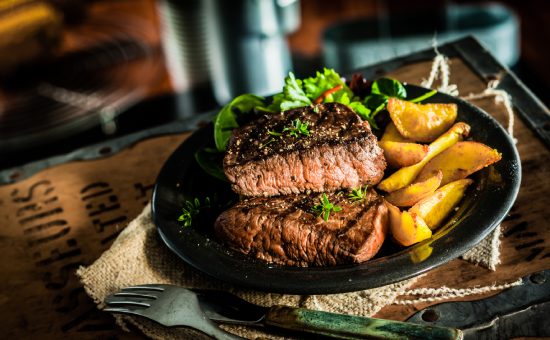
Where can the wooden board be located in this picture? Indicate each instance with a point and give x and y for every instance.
(67, 215)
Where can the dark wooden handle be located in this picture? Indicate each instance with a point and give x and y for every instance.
(353, 327)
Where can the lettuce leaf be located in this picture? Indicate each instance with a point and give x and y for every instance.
(293, 96)
(329, 79)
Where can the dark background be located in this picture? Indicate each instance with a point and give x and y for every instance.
(158, 105)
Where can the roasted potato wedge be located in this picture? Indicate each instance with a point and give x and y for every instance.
(421, 122)
(459, 161)
(399, 154)
(413, 193)
(407, 228)
(391, 134)
(407, 175)
(434, 208)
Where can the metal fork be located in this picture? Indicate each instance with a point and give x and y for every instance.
(176, 306)
(167, 305)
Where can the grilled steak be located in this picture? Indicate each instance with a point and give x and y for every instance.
(265, 157)
(285, 230)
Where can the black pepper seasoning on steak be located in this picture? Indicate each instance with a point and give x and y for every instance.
(340, 153)
(285, 230)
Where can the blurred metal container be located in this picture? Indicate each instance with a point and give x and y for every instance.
(252, 54)
(185, 29)
(350, 45)
(227, 47)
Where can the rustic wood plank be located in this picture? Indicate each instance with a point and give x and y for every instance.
(60, 219)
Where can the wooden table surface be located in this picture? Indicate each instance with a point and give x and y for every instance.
(67, 215)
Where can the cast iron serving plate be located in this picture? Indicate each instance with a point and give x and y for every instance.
(486, 203)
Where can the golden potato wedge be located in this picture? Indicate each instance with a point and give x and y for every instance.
(400, 154)
(421, 253)
(421, 122)
(406, 175)
(391, 134)
(413, 193)
(407, 228)
(459, 161)
(434, 208)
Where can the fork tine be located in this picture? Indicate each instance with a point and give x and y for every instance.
(121, 310)
(127, 300)
(137, 294)
(154, 287)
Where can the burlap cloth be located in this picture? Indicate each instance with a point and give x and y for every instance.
(138, 257)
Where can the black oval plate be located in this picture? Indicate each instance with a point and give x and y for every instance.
(485, 205)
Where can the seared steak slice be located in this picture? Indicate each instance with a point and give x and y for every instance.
(285, 230)
(340, 152)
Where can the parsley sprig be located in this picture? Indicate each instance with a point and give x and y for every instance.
(324, 208)
(298, 128)
(191, 209)
(358, 194)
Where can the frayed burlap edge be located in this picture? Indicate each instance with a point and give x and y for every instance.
(138, 256)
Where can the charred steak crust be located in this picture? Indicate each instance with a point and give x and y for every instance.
(340, 153)
(284, 230)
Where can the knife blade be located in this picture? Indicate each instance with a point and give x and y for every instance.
(518, 311)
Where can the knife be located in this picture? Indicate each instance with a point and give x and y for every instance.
(520, 311)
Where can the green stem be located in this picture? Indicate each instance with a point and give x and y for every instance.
(423, 97)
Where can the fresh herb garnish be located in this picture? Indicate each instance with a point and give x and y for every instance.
(271, 140)
(324, 208)
(191, 209)
(358, 194)
(297, 128)
(274, 133)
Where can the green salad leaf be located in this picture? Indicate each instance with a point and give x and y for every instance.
(382, 89)
(322, 82)
(293, 96)
(211, 160)
(226, 119)
(389, 88)
(363, 112)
